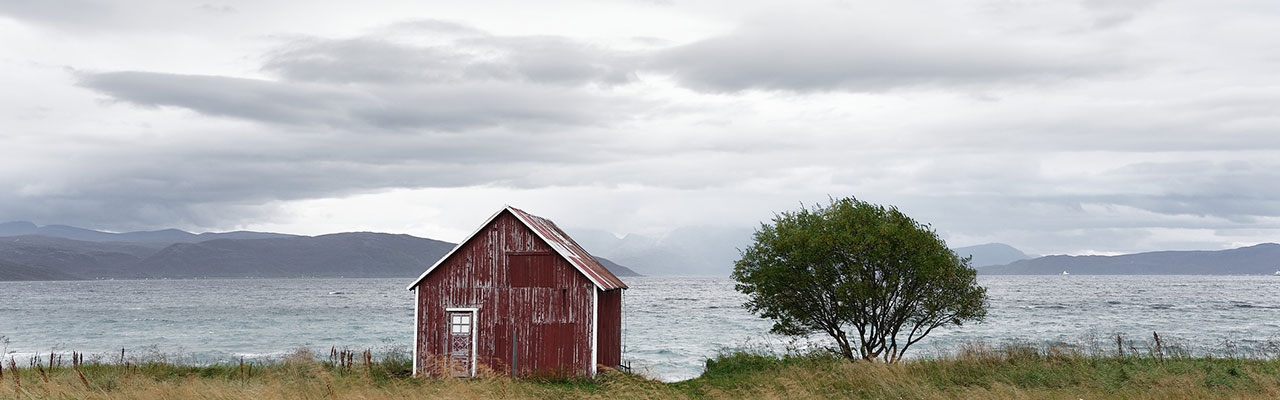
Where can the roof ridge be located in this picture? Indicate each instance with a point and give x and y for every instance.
(554, 237)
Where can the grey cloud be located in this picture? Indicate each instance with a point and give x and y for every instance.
(840, 56)
(64, 13)
(474, 109)
(1050, 212)
(435, 27)
(467, 80)
(1123, 122)
(1233, 191)
(364, 60)
(243, 177)
(473, 57)
(1057, 224)
(110, 17)
(389, 107)
(216, 9)
(1112, 14)
(224, 96)
(549, 59)
(438, 104)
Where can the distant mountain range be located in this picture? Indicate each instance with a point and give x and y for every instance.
(58, 252)
(67, 251)
(711, 251)
(690, 251)
(1262, 259)
(28, 252)
(167, 236)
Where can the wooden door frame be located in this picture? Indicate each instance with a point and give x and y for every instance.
(475, 316)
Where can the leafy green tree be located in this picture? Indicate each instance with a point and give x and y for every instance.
(868, 276)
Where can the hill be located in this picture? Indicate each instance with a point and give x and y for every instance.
(77, 257)
(63, 252)
(616, 269)
(991, 254)
(10, 271)
(1262, 259)
(362, 254)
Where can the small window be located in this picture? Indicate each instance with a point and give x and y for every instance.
(460, 323)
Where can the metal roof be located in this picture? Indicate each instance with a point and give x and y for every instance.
(556, 239)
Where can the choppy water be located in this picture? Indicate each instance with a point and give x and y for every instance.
(672, 324)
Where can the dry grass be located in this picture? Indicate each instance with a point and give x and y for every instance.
(1046, 379)
(1011, 371)
(298, 376)
(1016, 370)
(312, 381)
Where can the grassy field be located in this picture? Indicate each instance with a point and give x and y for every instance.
(1011, 371)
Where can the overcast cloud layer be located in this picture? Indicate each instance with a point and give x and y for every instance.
(1080, 127)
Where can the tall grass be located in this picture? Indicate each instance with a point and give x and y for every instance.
(1106, 367)
(1101, 367)
(342, 373)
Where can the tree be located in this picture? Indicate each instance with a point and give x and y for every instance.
(854, 267)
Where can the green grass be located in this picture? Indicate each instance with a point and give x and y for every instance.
(1010, 371)
(1007, 372)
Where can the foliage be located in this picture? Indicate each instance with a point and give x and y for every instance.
(857, 271)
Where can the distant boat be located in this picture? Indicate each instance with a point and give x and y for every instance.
(1067, 273)
(1278, 272)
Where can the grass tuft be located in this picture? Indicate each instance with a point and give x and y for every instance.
(1012, 370)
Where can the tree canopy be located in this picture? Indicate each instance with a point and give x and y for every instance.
(866, 275)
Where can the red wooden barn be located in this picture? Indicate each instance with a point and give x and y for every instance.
(518, 297)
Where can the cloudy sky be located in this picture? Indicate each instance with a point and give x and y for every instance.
(1076, 127)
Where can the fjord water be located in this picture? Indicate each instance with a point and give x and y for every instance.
(672, 324)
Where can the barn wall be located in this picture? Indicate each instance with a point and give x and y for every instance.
(610, 339)
(543, 321)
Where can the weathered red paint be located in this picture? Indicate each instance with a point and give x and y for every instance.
(531, 288)
(610, 339)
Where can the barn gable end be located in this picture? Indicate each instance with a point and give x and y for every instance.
(558, 241)
(524, 297)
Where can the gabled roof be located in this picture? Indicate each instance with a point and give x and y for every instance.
(556, 238)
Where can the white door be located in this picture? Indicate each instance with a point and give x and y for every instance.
(462, 343)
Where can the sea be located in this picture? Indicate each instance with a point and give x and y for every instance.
(671, 324)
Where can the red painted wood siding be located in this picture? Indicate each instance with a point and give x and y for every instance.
(610, 339)
(546, 322)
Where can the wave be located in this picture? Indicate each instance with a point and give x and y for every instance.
(1058, 306)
